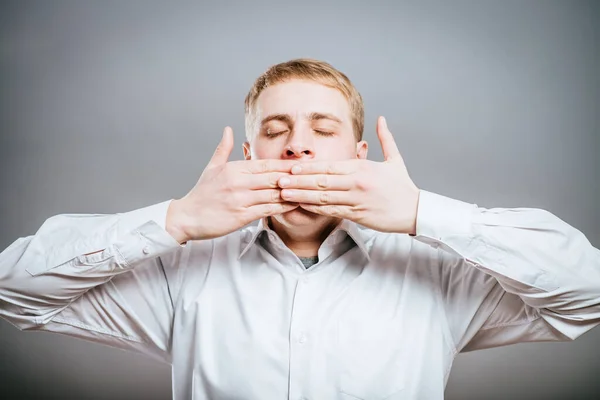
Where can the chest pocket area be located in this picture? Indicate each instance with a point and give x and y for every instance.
(370, 360)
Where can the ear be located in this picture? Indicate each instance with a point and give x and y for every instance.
(247, 152)
(362, 148)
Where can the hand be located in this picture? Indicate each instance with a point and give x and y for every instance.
(378, 195)
(228, 196)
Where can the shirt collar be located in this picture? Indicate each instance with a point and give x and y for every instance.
(347, 226)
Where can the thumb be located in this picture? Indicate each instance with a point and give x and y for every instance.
(223, 150)
(388, 144)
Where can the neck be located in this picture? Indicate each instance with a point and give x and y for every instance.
(304, 241)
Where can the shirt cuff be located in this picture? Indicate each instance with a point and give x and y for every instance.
(127, 224)
(144, 235)
(440, 218)
(149, 240)
(134, 219)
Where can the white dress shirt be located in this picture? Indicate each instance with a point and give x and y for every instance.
(380, 316)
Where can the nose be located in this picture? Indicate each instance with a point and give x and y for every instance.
(300, 146)
(298, 151)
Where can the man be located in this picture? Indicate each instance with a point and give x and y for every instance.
(306, 305)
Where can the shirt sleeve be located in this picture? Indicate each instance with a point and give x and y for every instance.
(510, 275)
(103, 278)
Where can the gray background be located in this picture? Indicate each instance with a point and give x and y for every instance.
(110, 106)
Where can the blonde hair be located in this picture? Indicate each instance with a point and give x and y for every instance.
(312, 70)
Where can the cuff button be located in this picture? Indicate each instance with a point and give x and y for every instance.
(146, 250)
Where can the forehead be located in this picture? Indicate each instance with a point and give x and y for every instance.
(299, 97)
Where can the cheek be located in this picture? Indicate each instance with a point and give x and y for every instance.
(265, 150)
(336, 151)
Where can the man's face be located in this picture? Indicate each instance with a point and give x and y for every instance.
(305, 121)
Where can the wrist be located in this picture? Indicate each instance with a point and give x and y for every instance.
(412, 229)
(174, 224)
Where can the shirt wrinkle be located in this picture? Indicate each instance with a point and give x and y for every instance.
(380, 316)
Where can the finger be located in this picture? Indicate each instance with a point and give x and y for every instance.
(261, 181)
(388, 144)
(265, 196)
(344, 167)
(265, 166)
(267, 210)
(223, 150)
(319, 197)
(337, 211)
(317, 182)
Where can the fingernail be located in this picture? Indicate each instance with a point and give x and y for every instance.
(296, 169)
(284, 182)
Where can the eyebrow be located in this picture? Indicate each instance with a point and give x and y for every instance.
(277, 117)
(286, 118)
(315, 116)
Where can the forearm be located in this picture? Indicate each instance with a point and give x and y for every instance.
(42, 274)
(549, 264)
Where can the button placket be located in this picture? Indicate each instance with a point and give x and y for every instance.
(300, 345)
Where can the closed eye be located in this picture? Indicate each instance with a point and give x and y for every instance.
(270, 134)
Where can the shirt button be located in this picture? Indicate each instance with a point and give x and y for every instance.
(305, 280)
(302, 338)
(146, 250)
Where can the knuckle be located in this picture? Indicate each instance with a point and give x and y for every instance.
(273, 180)
(228, 188)
(324, 198)
(359, 211)
(265, 166)
(275, 196)
(322, 182)
(231, 184)
(363, 184)
(268, 210)
(333, 211)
